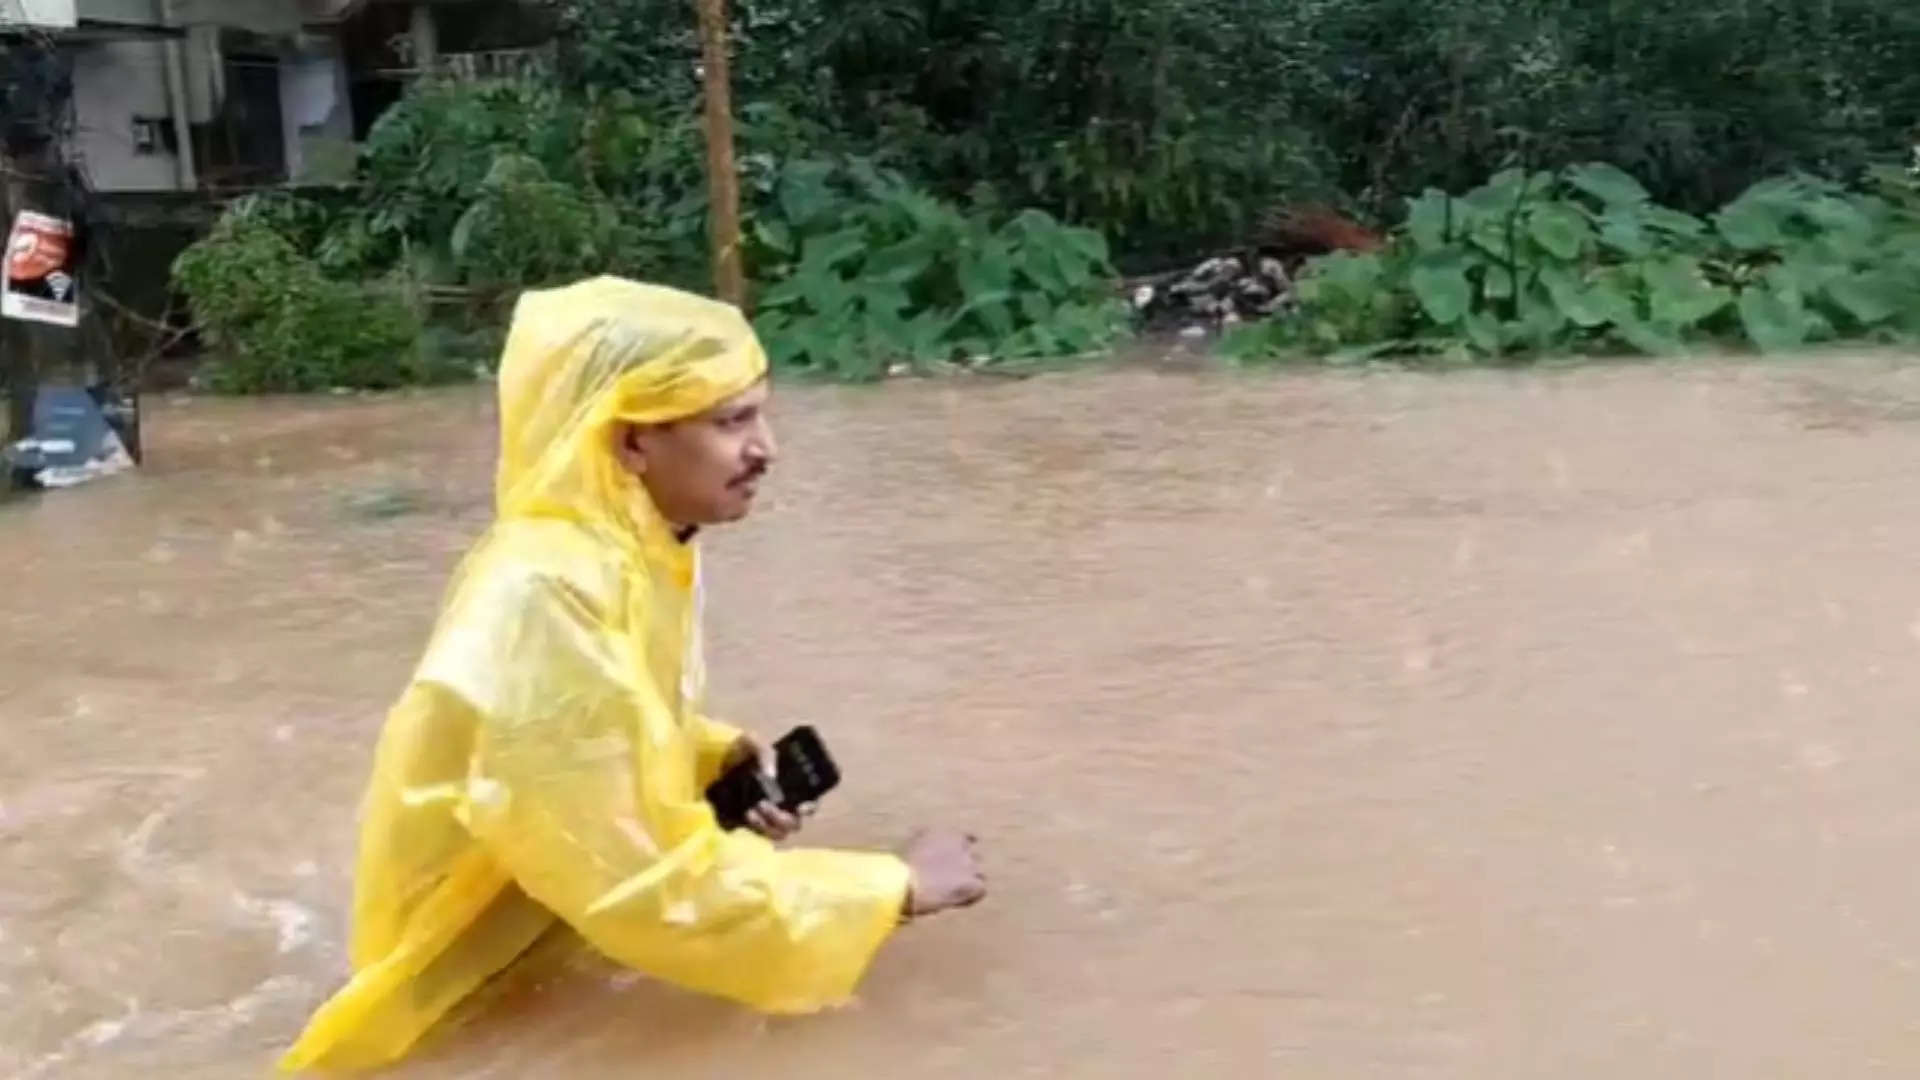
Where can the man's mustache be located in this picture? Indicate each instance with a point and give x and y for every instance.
(752, 473)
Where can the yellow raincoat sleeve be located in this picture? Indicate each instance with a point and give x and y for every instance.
(712, 742)
(583, 787)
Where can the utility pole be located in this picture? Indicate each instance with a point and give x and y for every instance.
(723, 181)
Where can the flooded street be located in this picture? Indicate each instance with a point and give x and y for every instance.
(1487, 725)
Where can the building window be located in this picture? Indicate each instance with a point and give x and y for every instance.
(148, 137)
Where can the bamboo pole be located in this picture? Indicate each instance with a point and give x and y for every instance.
(723, 182)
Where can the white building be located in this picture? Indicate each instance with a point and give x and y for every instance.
(220, 95)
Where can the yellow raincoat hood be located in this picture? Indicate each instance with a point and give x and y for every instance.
(548, 761)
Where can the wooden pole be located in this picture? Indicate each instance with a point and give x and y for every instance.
(723, 181)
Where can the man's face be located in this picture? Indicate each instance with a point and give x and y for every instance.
(704, 470)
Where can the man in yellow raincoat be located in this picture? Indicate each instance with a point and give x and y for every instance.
(549, 760)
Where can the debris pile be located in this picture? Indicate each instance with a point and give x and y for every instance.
(1253, 284)
(1221, 292)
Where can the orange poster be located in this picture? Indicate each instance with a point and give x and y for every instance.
(42, 283)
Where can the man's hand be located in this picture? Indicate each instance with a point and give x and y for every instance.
(766, 819)
(946, 874)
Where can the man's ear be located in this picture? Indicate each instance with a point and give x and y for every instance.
(627, 450)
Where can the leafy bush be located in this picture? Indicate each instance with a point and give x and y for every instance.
(1584, 259)
(430, 156)
(276, 323)
(512, 184)
(524, 228)
(871, 273)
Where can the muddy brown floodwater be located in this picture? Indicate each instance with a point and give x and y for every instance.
(1477, 726)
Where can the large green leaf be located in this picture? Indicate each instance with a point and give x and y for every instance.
(888, 299)
(1840, 215)
(1804, 272)
(783, 294)
(1773, 320)
(805, 194)
(1440, 283)
(1757, 220)
(1624, 230)
(1484, 332)
(774, 233)
(1036, 307)
(1493, 235)
(1505, 192)
(1607, 183)
(900, 263)
(826, 293)
(1678, 293)
(1569, 294)
(1429, 218)
(1673, 222)
(1089, 244)
(986, 274)
(1872, 296)
(829, 250)
(925, 334)
(1647, 337)
(1541, 323)
(1560, 229)
(1753, 226)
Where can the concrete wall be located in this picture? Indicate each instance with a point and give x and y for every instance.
(113, 82)
(259, 16)
(123, 12)
(51, 14)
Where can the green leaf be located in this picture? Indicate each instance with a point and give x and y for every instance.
(890, 300)
(826, 294)
(826, 252)
(1871, 296)
(783, 294)
(804, 194)
(1610, 185)
(1647, 337)
(1672, 222)
(996, 314)
(1428, 219)
(1492, 235)
(774, 234)
(1803, 273)
(903, 262)
(924, 334)
(1773, 320)
(1042, 268)
(1089, 244)
(1440, 283)
(1483, 331)
(982, 286)
(1678, 293)
(1839, 215)
(1573, 298)
(1756, 221)
(1541, 321)
(1035, 307)
(1560, 229)
(1624, 230)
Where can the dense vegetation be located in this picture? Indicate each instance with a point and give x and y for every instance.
(908, 166)
(1583, 259)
